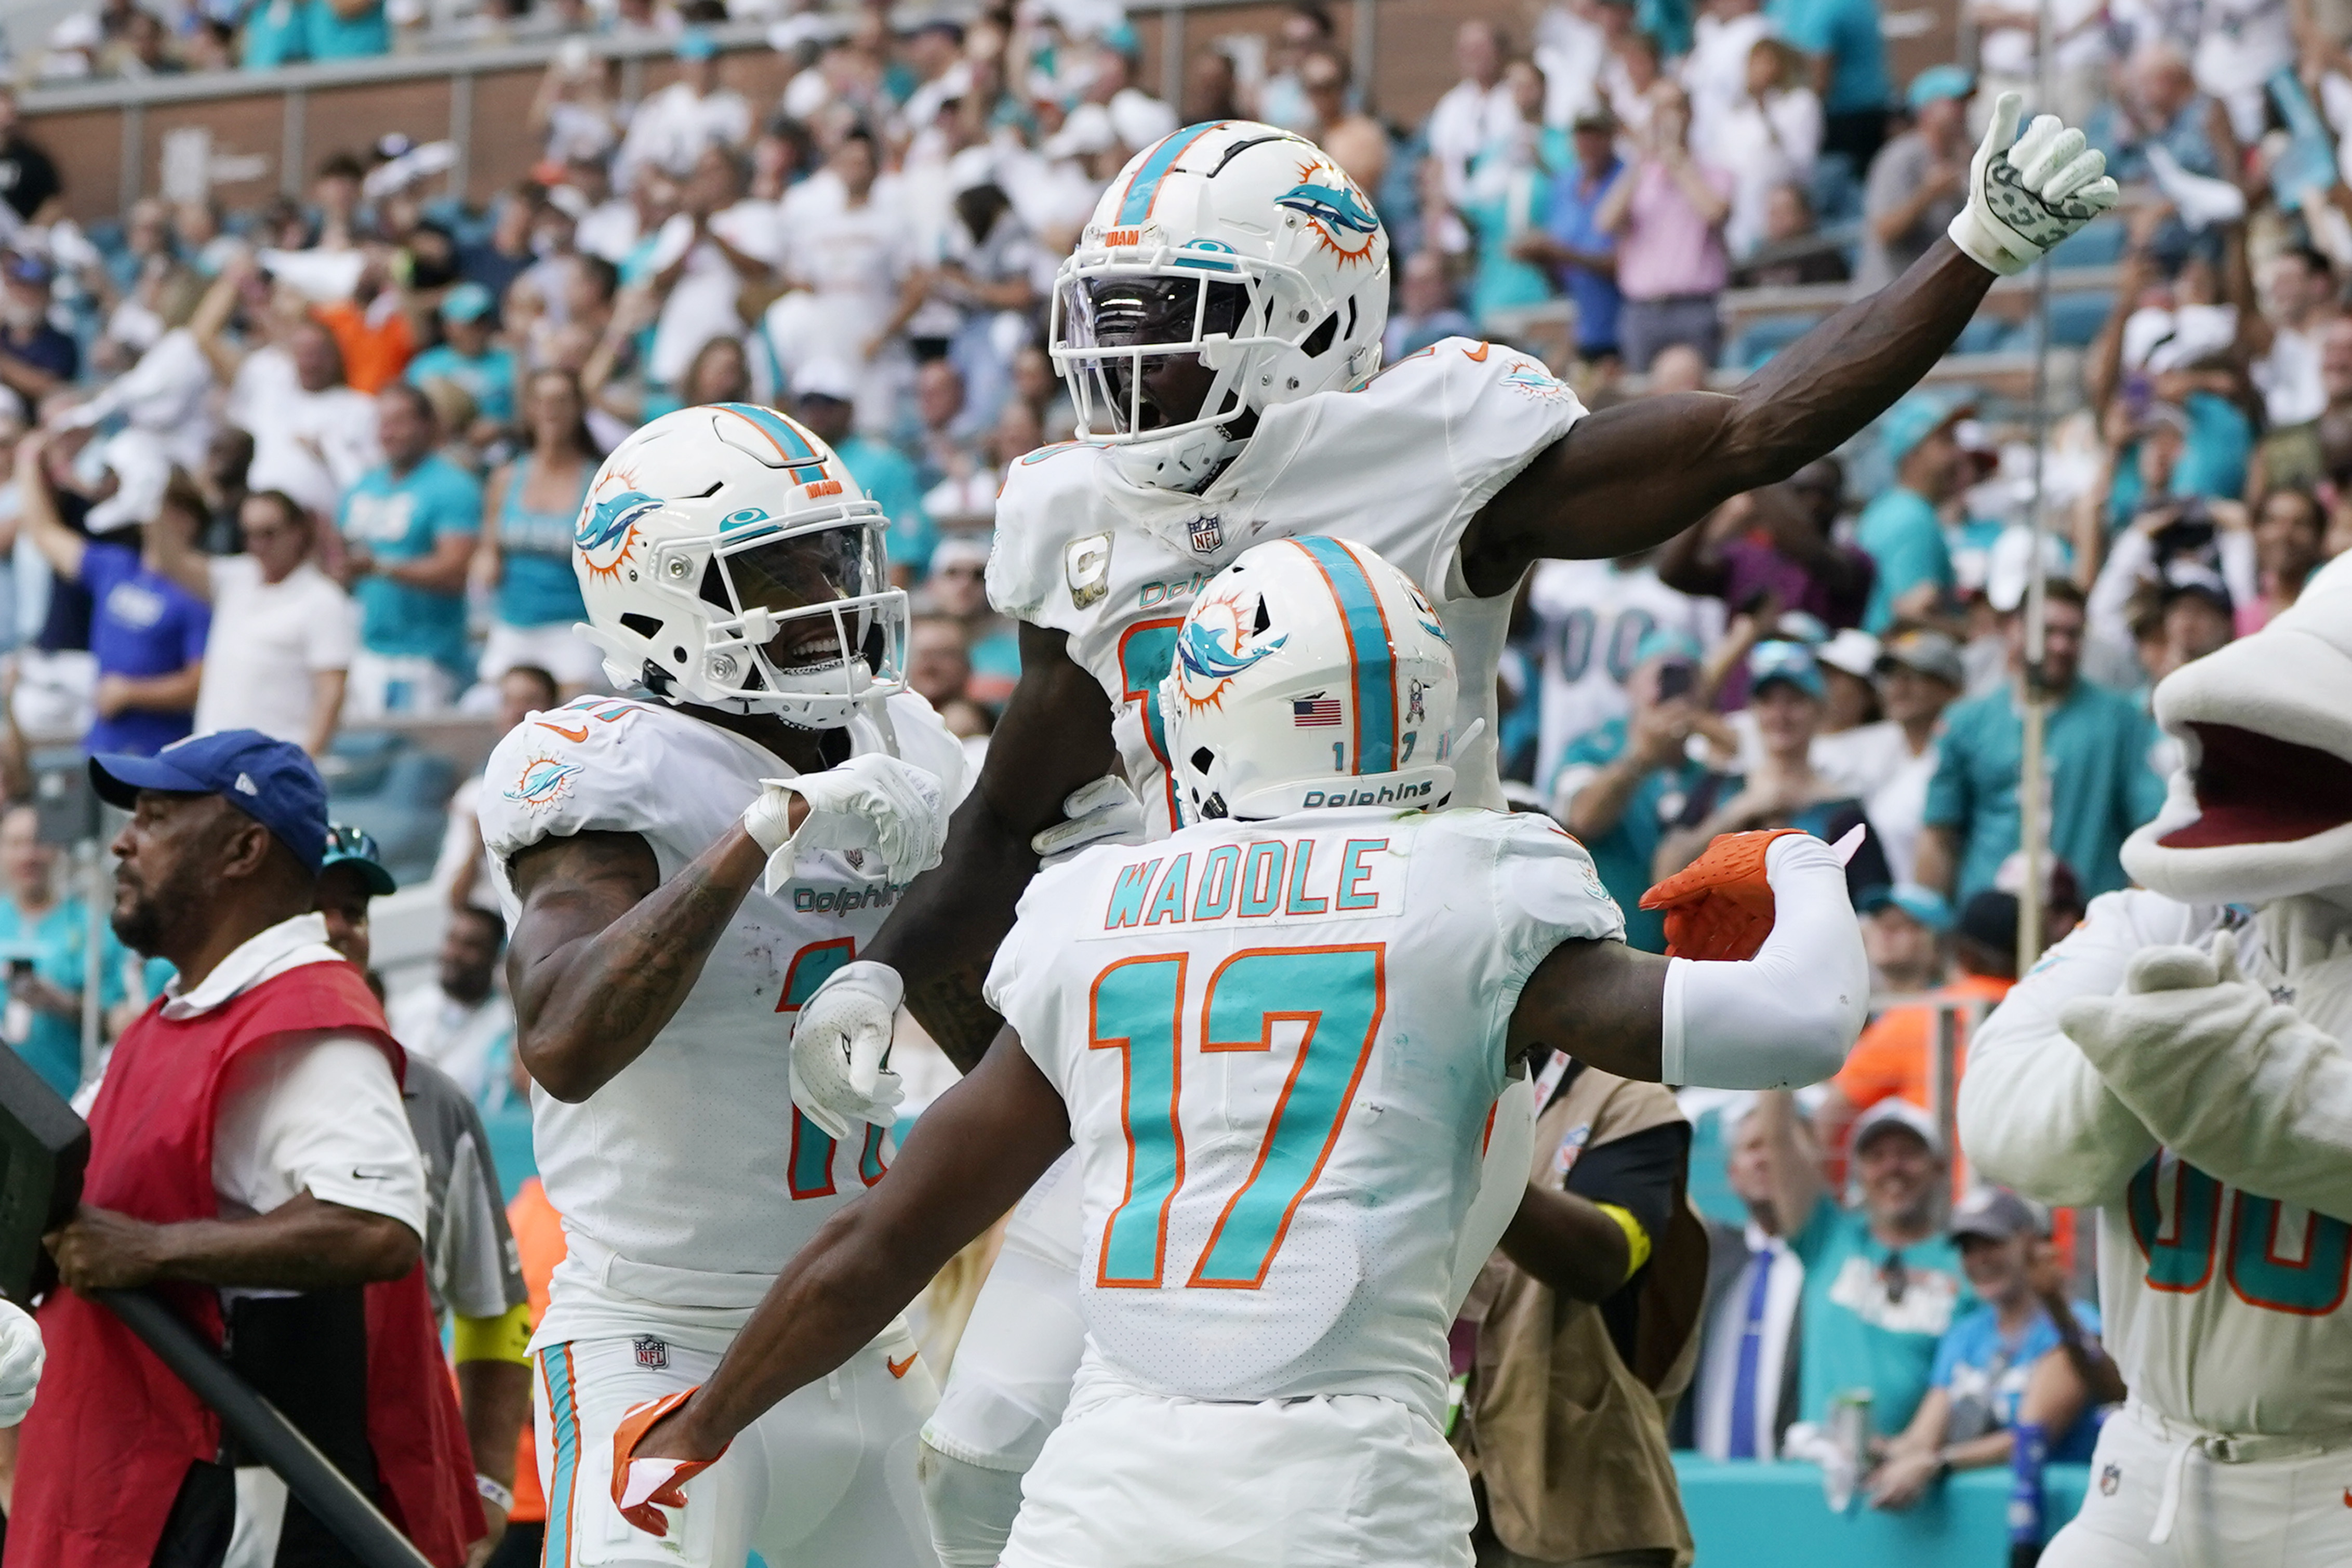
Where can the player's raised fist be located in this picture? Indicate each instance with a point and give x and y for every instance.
(871, 801)
(1720, 907)
(2026, 193)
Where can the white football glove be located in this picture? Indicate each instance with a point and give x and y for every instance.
(872, 801)
(839, 1045)
(1105, 812)
(2024, 199)
(20, 1363)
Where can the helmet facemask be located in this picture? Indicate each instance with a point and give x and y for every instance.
(800, 622)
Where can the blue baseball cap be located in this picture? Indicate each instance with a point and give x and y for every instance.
(273, 781)
(1790, 661)
(349, 846)
(1917, 416)
(467, 302)
(1926, 905)
(693, 44)
(1939, 82)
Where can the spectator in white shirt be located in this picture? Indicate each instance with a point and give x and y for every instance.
(283, 631)
(848, 264)
(1715, 71)
(1476, 110)
(672, 128)
(1769, 137)
(313, 436)
(460, 1022)
(702, 259)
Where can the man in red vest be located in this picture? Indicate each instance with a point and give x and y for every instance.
(250, 1161)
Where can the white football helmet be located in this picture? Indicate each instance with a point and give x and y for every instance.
(728, 559)
(1310, 673)
(1234, 241)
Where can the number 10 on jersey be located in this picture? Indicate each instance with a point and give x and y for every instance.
(1138, 1009)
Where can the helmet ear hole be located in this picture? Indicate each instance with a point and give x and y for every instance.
(646, 626)
(1319, 342)
(1204, 759)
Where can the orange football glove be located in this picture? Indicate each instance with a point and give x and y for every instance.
(643, 1488)
(1720, 907)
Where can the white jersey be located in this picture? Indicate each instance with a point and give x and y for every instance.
(1401, 464)
(1281, 1044)
(2225, 1308)
(689, 1179)
(1594, 616)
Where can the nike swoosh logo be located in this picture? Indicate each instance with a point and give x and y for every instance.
(360, 1175)
(577, 737)
(1479, 353)
(898, 1368)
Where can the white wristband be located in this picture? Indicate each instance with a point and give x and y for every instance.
(492, 1492)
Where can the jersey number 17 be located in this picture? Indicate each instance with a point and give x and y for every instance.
(1138, 1008)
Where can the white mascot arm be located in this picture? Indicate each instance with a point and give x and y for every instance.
(2236, 1084)
(2035, 1114)
(20, 1363)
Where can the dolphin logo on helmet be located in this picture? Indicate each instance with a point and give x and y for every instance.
(1337, 209)
(608, 520)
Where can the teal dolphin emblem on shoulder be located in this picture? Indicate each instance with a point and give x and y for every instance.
(608, 520)
(543, 779)
(1204, 655)
(1335, 207)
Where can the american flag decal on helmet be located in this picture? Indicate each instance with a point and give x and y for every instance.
(1316, 712)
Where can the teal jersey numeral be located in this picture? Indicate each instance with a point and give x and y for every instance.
(2180, 1254)
(809, 1173)
(1134, 1013)
(1339, 992)
(1147, 652)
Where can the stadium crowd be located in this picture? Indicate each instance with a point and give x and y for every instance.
(316, 466)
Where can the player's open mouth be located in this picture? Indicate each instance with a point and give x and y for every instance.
(814, 647)
(2254, 788)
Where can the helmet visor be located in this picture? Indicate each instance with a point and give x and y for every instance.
(815, 585)
(1113, 329)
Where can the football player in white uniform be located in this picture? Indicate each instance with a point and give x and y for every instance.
(2183, 1063)
(1220, 324)
(1276, 1040)
(733, 569)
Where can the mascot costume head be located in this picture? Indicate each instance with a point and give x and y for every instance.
(2261, 808)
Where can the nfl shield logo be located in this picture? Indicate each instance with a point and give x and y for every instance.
(653, 1354)
(2110, 1478)
(1207, 534)
(856, 858)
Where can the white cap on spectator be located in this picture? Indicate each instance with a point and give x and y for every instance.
(1896, 1112)
(1140, 119)
(2009, 563)
(1087, 129)
(971, 168)
(959, 550)
(2159, 340)
(567, 200)
(825, 378)
(142, 469)
(1852, 650)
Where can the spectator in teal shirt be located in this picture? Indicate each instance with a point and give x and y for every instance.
(347, 30)
(276, 33)
(1843, 38)
(1882, 1281)
(467, 357)
(1899, 528)
(2095, 743)
(43, 939)
(825, 395)
(1620, 786)
(530, 518)
(409, 527)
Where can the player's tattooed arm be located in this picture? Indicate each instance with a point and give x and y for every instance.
(975, 1151)
(604, 951)
(1055, 738)
(1600, 1001)
(1634, 476)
